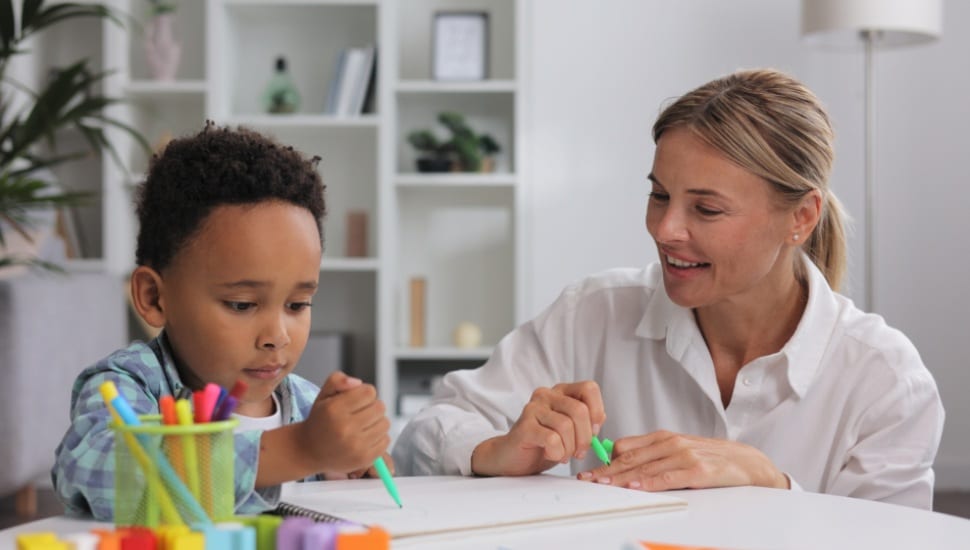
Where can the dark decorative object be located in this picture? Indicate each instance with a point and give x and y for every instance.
(281, 95)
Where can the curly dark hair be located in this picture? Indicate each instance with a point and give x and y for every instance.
(218, 166)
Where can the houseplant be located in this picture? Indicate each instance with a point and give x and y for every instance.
(28, 134)
(463, 151)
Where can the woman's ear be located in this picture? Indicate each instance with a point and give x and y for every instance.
(146, 295)
(805, 217)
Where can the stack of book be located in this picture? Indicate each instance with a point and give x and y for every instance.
(352, 85)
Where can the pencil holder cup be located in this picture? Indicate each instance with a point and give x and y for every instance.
(173, 475)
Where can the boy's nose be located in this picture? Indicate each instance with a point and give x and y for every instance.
(275, 336)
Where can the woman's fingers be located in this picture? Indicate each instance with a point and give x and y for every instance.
(663, 460)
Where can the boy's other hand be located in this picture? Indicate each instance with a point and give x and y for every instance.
(346, 429)
(363, 472)
(339, 382)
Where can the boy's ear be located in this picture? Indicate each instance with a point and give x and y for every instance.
(146, 295)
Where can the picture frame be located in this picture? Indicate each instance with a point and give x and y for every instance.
(460, 46)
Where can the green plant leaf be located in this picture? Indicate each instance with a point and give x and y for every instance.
(59, 12)
(30, 10)
(6, 24)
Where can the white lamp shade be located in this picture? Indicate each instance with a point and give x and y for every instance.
(839, 23)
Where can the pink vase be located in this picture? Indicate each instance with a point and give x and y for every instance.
(161, 49)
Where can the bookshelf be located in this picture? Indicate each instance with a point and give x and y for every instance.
(462, 231)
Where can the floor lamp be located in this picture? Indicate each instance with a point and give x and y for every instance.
(871, 25)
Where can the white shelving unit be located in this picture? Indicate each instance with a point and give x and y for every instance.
(461, 231)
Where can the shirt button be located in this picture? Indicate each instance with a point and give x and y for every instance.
(746, 381)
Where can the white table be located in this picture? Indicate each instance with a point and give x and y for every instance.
(742, 518)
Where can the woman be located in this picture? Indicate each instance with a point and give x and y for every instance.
(732, 361)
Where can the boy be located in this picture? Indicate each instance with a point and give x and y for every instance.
(228, 261)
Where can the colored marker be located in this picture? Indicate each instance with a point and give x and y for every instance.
(600, 451)
(184, 413)
(169, 477)
(238, 389)
(608, 446)
(122, 414)
(167, 405)
(388, 480)
(225, 410)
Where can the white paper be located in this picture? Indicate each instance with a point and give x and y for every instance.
(434, 505)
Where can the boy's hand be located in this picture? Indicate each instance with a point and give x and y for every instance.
(346, 429)
(364, 472)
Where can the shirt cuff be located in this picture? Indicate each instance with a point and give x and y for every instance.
(793, 485)
(458, 452)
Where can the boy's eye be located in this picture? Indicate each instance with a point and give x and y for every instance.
(299, 306)
(239, 306)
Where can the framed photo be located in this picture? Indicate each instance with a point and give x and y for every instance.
(460, 49)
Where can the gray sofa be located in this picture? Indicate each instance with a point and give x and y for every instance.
(51, 327)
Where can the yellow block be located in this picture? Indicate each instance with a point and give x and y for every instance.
(40, 541)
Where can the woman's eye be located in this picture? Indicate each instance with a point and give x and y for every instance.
(659, 197)
(239, 306)
(708, 211)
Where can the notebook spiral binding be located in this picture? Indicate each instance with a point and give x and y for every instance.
(286, 509)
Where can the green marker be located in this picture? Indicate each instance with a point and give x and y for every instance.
(608, 445)
(600, 451)
(388, 480)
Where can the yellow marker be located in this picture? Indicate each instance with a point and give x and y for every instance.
(184, 413)
(109, 392)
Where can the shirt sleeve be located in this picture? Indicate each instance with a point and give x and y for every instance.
(249, 499)
(898, 436)
(471, 406)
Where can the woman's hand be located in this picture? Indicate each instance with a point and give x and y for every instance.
(663, 460)
(555, 425)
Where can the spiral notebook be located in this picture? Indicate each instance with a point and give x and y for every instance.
(448, 504)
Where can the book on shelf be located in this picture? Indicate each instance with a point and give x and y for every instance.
(435, 505)
(352, 82)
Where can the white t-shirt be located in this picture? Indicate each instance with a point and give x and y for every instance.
(846, 407)
(262, 423)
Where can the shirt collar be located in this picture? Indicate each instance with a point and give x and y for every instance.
(664, 319)
(804, 350)
(169, 370)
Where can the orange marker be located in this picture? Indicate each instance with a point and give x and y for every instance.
(167, 404)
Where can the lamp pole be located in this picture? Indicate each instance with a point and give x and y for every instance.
(868, 38)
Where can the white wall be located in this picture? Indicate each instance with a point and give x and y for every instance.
(599, 74)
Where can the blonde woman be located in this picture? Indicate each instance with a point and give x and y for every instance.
(732, 361)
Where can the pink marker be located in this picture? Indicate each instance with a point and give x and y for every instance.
(206, 403)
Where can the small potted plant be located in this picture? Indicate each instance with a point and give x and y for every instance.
(464, 151)
(434, 155)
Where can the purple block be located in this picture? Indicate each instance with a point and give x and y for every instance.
(321, 536)
(289, 536)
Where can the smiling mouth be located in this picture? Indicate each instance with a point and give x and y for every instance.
(674, 262)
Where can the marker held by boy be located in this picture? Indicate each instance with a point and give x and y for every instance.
(387, 479)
